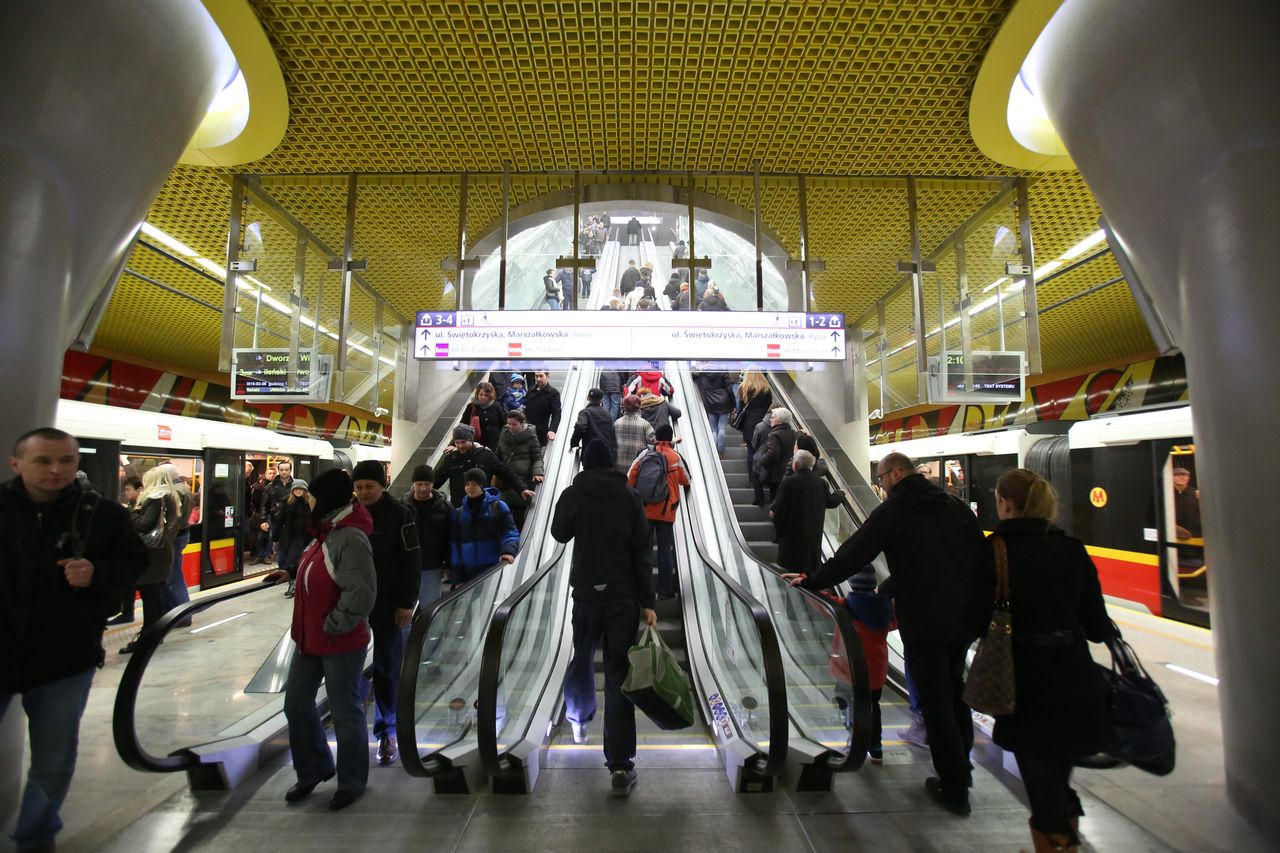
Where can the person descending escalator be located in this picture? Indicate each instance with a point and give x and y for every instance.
(518, 448)
(482, 531)
(397, 560)
(612, 584)
(431, 511)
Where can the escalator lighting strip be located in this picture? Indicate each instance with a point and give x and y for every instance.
(219, 622)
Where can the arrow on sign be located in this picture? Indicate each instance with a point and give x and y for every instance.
(835, 350)
(835, 336)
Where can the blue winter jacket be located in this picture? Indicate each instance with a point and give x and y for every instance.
(480, 536)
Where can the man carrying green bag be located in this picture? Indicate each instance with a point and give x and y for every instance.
(657, 685)
(612, 582)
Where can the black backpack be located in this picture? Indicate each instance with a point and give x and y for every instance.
(651, 477)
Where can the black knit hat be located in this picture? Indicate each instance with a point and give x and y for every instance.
(476, 475)
(804, 441)
(332, 490)
(464, 432)
(370, 469)
(596, 455)
(664, 433)
(424, 474)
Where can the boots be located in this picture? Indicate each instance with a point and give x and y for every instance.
(1045, 842)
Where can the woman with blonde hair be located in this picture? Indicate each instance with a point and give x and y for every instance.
(155, 517)
(1060, 709)
(755, 400)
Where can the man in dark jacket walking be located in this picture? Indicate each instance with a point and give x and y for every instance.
(612, 584)
(798, 513)
(542, 407)
(463, 455)
(772, 457)
(935, 550)
(431, 511)
(594, 422)
(396, 558)
(68, 552)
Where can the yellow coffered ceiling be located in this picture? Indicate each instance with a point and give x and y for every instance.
(824, 88)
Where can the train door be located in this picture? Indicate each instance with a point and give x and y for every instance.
(100, 461)
(224, 515)
(984, 473)
(1183, 569)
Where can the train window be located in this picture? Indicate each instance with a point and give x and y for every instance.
(1181, 494)
(953, 469)
(930, 469)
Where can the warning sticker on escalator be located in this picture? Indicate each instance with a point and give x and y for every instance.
(720, 716)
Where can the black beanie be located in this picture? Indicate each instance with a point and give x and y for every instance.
(476, 475)
(424, 474)
(370, 469)
(332, 490)
(664, 433)
(596, 455)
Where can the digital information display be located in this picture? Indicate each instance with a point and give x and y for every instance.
(264, 376)
(988, 376)
(628, 335)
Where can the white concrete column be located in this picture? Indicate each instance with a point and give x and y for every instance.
(100, 99)
(1169, 109)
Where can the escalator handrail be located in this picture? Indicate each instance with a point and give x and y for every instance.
(860, 733)
(491, 658)
(123, 721)
(770, 648)
(407, 693)
(491, 669)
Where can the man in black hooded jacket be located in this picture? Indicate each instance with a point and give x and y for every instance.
(463, 455)
(67, 553)
(935, 550)
(612, 584)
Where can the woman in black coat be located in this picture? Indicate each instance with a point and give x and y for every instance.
(1056, 604)
(489, 412)
(754, 401)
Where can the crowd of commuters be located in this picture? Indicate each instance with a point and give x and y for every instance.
(363, 561)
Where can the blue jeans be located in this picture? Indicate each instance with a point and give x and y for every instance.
(53, 725)
(613, 625)
(613, 402)
(262, 548)
(664, 533)
(717, 420)
(429, 587)
(312, 760)
(177, 592)
(388, 652)
(553, 303)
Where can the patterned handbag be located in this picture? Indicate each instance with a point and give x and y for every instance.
(989, 687)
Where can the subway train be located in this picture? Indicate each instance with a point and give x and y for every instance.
(1127, 488)
(215, 456)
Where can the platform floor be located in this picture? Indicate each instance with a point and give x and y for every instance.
(683, 800)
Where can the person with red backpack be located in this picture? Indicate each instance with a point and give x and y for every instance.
(657, 476)
(654, 381)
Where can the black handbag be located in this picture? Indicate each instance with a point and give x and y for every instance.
(989, 687)
(1139, 714)
(739, 419)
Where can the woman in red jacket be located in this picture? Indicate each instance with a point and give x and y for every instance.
(335, 586)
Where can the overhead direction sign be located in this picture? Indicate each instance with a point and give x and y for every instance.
(629, 335)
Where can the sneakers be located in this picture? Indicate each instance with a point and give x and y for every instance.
(915, 734)
(877, 754)
(621, 782)
(386, 750)
(579, 731)
(120, 619)
(958, 806)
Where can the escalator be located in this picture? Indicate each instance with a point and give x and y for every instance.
(203, 692)
(756, 692)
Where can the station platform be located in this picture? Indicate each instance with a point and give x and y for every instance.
(682, 800)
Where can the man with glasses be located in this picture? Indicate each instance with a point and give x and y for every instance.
(935, 548)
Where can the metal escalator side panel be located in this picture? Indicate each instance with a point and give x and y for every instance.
(809, 616)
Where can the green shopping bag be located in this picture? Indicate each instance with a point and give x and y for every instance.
(657, 685)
